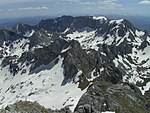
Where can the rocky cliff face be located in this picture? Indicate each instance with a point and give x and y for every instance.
(104, 96)
(90, 64)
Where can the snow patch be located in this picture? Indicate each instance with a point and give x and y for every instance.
(109, 40)
(86, 39)
(64, 50)
(67, 29)
(29, 33)
(16, 48)
(145, 88)
(139, 33)
(117, 21)
(109, 112)
(93, 76)
(99, 18)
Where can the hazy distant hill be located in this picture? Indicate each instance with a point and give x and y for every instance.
(9, 23)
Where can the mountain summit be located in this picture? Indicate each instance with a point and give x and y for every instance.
(87, 64)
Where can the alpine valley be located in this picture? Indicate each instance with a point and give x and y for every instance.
(68, 64)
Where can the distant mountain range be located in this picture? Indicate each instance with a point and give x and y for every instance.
(142, 23)
(84, 64)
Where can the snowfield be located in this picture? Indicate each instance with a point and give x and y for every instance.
(45, 87)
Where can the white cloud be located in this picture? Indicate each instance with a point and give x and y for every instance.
(109, 4)
(68, 0)
(33, 8)
(14, 1)
(109, 1)
(103, 4)
(146, 2)
(29, 1)
(88, 3)
(10, 9)
(61, 1)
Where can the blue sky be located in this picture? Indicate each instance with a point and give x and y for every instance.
(25, 8)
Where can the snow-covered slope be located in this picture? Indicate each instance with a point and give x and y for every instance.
(44, 87)
(136, 58)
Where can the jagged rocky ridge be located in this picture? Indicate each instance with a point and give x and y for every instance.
(102, 63)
